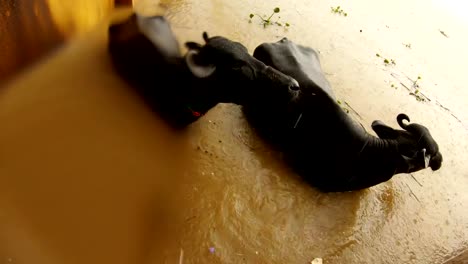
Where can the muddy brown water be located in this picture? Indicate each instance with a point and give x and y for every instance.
(101, 179)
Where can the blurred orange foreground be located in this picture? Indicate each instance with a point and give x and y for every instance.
(87, 173)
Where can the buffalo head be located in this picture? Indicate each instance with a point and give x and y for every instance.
(237, 76)
(415, 144)
(145, 52)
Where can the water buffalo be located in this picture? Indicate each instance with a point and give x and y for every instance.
(181, 88)
(321, 142)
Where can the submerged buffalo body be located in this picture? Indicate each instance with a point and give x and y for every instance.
(321, 142)
(181, 88)
(285, 97)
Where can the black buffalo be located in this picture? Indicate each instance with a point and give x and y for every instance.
(321, 142)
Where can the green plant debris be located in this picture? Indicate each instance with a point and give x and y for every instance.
(389, 62)
(415, 83)
(385, 60)
(418, 97)
(408, 45)
(339, 11)
(342, 107)
(417, 93)
(269, 21)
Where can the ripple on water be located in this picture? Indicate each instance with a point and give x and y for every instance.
(264, 203)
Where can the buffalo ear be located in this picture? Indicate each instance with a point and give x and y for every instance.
(193, 45)
(384, 131)
(198, 70)
(205, 36)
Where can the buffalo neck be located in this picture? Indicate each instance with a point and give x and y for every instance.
(370, 154)
(376, 159)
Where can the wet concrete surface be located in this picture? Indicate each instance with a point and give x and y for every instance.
(242, 205)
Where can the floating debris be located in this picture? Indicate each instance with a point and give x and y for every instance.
(316, 261)
(450, 112)
(342, 107)
(268, 21)
(349, 106)
(408, 45)
(417, 95)
(415, 83)
(443, 33)
(412, 193)
(413, 88)
(339, 11)
(181, 256)
(212, 250)
(414, 178)
(386, 61)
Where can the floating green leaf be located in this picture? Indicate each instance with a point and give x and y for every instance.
(268, 20)
(338, 10)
